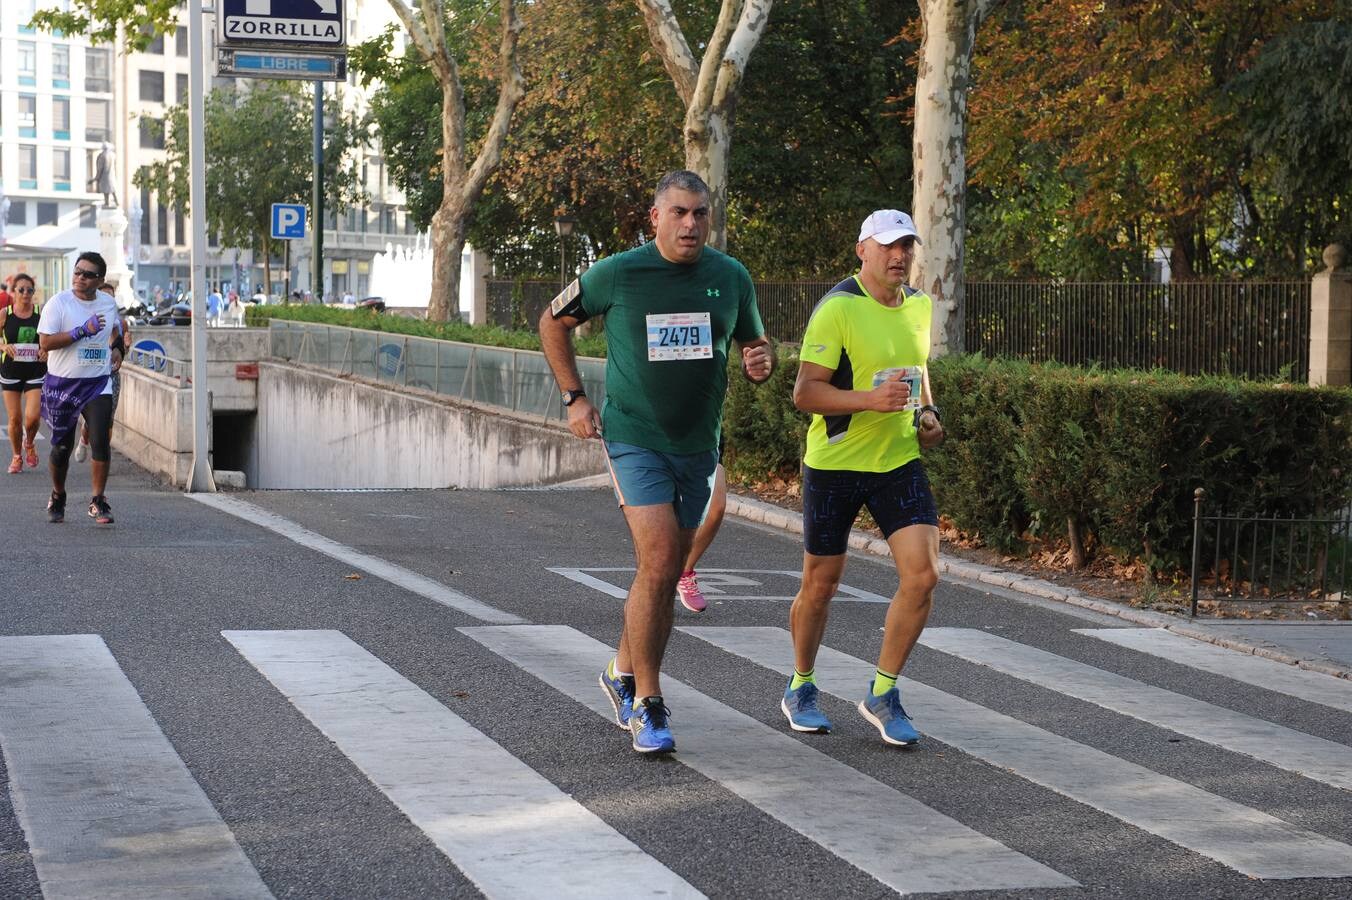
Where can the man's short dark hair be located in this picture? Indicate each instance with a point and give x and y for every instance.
(681, 179)
(96, 259)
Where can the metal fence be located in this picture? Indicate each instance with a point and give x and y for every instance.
(1253, 329)
(518, 380)
(1270, 558)
(160, 364)
(518, 304)
(784, 305)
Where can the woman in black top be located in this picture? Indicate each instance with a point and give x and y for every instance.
(22, 367)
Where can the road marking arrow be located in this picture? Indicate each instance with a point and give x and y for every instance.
(264, 7)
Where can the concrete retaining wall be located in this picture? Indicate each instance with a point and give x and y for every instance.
(227, 348)
(316, 430)
(154, 424)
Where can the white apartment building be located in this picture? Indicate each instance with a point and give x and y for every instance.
(56, 109)
(60, 99)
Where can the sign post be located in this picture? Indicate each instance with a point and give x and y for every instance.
(317, 198)
(293, 39)
(200, 479)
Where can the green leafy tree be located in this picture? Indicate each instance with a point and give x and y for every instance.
(136, 22)
(259, 151)
(823, 136)
(1107, 130)
(708, 87)
(439, 31)
(1296, 114)
(589, 138)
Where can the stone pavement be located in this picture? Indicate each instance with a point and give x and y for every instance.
(1320, 647)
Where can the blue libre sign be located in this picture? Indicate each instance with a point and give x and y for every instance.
(288, 221)
(288, 65)
(295, 23)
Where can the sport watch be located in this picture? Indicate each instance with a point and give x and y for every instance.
(570, 397)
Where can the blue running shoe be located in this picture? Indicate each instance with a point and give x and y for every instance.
(800, 707)
(650, 726)
(620, 691)
(887, 713)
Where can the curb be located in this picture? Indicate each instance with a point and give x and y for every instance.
(754, 510)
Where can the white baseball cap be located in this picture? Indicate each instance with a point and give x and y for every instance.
(888, 225)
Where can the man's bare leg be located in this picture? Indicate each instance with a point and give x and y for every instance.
(915, 550)
(812, 605)
(660, 547)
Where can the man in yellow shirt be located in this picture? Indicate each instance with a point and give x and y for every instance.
(862, 376)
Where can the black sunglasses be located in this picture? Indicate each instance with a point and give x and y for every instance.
(86, 273)
(23, 290)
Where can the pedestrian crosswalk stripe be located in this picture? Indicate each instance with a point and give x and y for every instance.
(388, 571)
(109, 809)
(1295, 751)
(509, 829)
(808, 791)
(844, 592)
(1314, 687)
(1250, 841)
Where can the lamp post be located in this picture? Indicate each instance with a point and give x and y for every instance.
(563, 227)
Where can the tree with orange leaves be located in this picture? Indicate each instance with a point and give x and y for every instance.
(1114, 127)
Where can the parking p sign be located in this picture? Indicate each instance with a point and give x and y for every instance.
(288, 221)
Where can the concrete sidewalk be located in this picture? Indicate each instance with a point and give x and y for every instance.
(1320, 647)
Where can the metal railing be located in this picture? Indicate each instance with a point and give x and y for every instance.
(160, 364)
(517, 380)
(518, 304)
(1253, 329)
(1272, 559)
(784, 305)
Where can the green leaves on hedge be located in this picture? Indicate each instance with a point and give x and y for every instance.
(1032, 449)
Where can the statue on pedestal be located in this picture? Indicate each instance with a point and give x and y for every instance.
(105, 165)
(112, 225)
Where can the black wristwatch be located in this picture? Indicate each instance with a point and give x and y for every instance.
(928, 408)
(570, 397)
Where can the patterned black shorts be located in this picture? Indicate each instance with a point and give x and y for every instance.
(832, 499)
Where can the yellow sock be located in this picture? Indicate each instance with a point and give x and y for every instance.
(802, 678)
(882, 683)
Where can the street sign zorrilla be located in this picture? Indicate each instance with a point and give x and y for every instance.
(297, 23)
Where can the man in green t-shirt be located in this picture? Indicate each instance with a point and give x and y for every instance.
(671, 308)
(862, 376)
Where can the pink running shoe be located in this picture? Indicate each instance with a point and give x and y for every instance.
(31, 455)
(16, 466)
(691, 596)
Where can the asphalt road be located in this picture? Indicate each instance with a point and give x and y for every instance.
(324, 711)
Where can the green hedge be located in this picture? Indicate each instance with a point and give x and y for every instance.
(1039, 450)
(488, 335)
(1034, 449)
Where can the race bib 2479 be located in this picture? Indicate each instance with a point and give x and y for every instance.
(680, 336)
